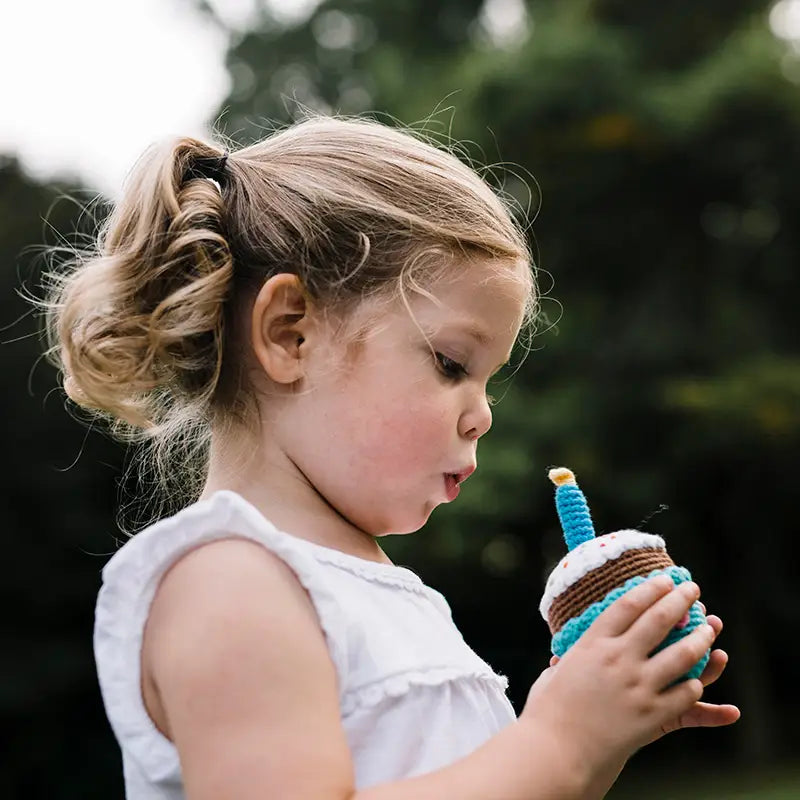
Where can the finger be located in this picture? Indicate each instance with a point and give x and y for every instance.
(717, 662)
(653, 626)
(715, 622)
(678, 658)
(704, 715)
(678, 700)
(626, 610)
(554, 660)
(702, 606)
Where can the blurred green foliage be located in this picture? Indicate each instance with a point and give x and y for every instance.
(663, 138)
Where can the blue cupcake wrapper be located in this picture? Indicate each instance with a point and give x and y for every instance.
(575, 628)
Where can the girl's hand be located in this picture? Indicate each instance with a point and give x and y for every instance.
(707, 715)
(701, 715)
(607, 697)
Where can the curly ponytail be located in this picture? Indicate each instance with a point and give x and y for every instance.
(140, 324)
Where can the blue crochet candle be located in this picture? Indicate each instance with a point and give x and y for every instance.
(598, 569)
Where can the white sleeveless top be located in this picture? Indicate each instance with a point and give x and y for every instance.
(413, 696)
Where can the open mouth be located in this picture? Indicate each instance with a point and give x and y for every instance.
(451, 487)
(463, 475)
(452, 481)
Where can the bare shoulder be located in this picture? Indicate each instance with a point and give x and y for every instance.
(239, 671)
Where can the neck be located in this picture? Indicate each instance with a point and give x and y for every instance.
(271, 482)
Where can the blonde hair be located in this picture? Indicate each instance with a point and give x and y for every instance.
(144, 326)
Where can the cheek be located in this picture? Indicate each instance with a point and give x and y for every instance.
(402, 432)
(387, 420)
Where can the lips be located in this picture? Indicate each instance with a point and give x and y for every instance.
(451, 487)
(463, 474)
(452, 481)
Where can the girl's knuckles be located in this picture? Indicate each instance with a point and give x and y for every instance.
(646, 704)
(609, 656)
(689, 651)
(629, 605)
(663, 617)
(694, 689)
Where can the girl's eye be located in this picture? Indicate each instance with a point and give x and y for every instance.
(450, 368)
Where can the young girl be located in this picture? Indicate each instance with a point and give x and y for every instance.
(324, 309)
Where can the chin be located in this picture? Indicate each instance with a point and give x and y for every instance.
(408, 525)
(398, 524)
(400, 530)
(397, 515)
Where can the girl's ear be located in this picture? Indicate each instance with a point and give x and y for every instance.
(281, 324)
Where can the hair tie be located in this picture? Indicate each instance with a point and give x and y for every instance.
(211, 167)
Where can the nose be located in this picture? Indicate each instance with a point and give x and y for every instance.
(477, 419)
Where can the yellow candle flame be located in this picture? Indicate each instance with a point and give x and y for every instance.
(561, 475)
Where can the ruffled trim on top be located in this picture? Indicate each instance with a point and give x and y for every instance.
(398, 685)
(387, 574)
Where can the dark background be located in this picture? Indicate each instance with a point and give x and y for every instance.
(656, 145)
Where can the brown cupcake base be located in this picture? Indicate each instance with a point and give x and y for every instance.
(595, 585)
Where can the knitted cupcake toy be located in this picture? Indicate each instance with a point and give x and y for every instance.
(599, 569)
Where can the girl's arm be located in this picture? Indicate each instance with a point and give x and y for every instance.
(522, 762)
(243, 684)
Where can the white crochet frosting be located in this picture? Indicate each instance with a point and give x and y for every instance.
(590, 555)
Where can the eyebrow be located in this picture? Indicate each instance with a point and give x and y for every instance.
(474, 330)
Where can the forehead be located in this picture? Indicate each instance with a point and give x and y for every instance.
(486, 301)
(483, 301)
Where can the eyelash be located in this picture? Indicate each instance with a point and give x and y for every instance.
(450, 368)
